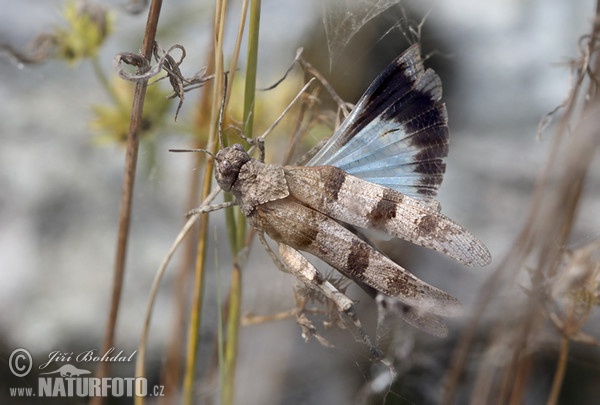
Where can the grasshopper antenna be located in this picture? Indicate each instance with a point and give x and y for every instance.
(219, 127)
(194, 150)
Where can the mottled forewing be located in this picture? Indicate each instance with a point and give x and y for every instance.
(357, 202)
(389, 307)
(308, 230)
(397, 133)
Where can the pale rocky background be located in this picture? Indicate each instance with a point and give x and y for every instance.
(59, 200)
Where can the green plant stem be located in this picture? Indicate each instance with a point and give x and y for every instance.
(231, 344)
(105, 83)
(250, 85)
(236, 221)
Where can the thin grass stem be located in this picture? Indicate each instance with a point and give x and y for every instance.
(236, 222)
(198, 298)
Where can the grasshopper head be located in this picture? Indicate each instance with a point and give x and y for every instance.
(229, 162)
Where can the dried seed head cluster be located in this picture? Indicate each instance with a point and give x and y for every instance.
(88, 24)
(111, 120)
(576, 291)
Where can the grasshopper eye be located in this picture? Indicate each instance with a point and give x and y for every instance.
(229, 163)
(225, 175)
(224, 167)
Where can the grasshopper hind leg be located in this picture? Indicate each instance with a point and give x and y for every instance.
(296, 264)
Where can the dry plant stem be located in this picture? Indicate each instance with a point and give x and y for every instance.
(140, 365)
(172, 374)
(249, 320)
(562, 207)
(342, 105)
(198, 297)
(141, 355)
(299, 130)
(287, 109)
(127, 193)
(483, 382)
(519, 382)
(194, 324)
(560, 371)
(539, 237)
(579, 156)
(563, 210)
(456, 371)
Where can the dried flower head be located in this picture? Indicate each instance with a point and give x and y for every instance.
(88, 24)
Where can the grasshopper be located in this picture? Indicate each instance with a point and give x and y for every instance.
(379, 171)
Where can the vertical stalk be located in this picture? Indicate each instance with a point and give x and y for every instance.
(127, 193)
(236, 222)
(250, 87)
(195, 316)
(231, 342)
(561, 368)
(172, 371)
(198, 297)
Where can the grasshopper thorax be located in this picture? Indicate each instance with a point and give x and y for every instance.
(229, 162)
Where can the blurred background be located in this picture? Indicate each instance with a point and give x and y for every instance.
(504, 66)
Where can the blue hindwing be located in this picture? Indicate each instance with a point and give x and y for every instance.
(397, 134)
